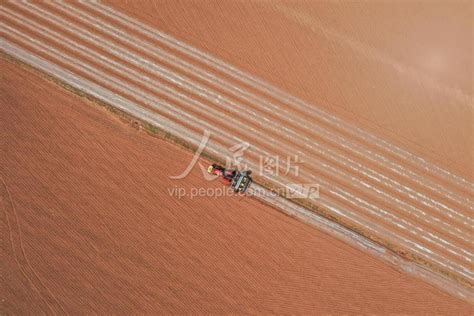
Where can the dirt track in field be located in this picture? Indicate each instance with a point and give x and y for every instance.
(89, 226)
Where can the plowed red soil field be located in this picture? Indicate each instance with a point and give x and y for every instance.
(88, 225)
(375, 99)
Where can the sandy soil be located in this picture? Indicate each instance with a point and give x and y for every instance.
(379, 78)
(421, 213)
(88, 226)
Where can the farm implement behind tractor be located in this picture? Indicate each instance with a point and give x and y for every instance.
(239, 181)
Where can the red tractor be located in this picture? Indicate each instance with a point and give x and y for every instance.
(238, 180)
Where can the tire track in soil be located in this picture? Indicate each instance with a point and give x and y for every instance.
(19, 252)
